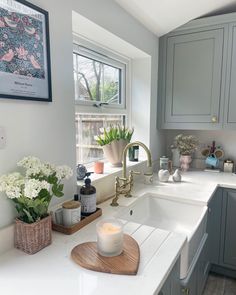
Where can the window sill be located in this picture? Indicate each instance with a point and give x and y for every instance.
(110, 171)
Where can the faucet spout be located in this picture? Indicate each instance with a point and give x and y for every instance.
(135, 143)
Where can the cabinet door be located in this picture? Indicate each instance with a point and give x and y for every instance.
(193, 78)
(230, 105)
(214, 226)
(228, 250)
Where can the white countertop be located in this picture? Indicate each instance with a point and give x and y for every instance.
(51, 271)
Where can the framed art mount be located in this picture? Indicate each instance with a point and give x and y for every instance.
(25, 71)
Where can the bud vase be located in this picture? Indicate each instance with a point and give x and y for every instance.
(185, 161)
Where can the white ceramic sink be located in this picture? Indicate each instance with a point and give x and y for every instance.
(174, 216)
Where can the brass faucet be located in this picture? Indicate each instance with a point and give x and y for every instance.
(124, 185)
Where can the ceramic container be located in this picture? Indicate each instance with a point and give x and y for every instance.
(71, 212)
(98, 167)
(185, 161)
(177, 176)
(163, 175)
(114, 151)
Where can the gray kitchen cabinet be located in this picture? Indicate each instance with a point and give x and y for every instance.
(230, 99)
(228, 237)
(192, 70)
(197, 74)
(172, 284)
(221, 227)
(214, 226)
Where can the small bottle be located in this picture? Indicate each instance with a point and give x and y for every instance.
(88, 197)
(134, 153)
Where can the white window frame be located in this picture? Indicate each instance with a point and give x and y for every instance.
(90, 49)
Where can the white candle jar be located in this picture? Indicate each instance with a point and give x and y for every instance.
(109, 237)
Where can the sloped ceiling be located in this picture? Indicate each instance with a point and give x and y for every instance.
(162, 16)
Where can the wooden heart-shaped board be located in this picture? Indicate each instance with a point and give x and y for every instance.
(126, 263)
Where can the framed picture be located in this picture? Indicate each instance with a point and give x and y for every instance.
(25, 71)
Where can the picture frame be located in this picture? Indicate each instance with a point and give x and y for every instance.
(25, 65)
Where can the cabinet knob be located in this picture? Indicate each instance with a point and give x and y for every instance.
(214, 119)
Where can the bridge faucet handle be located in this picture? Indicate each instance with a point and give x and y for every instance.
(135, 172)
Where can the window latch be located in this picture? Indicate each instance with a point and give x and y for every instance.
(100, 104)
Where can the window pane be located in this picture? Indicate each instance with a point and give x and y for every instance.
(87, 126)
(96, 81)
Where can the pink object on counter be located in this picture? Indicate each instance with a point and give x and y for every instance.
(99, 167)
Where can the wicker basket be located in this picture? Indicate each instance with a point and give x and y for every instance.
(33, 237)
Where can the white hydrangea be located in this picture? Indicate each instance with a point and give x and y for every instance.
(29, 162)
(43, 169)
(16, 185)
(33, 187)
(12, 184)
(47, 169)
(63, 172)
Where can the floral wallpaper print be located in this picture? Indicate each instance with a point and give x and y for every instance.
(21, 45)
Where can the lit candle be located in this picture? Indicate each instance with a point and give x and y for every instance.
(110, 237)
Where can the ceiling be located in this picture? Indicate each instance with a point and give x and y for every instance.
(162, 16)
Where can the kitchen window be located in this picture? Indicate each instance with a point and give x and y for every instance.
(100, 81)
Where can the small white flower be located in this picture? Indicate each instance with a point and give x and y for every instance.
(12, 184)
(63, 172)
(29, 162)
(33, 187)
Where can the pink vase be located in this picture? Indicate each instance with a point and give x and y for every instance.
(185, 161)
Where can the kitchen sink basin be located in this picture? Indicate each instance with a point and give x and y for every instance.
(174, 216)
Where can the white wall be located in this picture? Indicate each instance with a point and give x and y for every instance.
(42, 129)
(47, 130)
(225, 139)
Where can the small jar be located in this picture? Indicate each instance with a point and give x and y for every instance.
(228, 166)
(109, 237)
(71, 213)
(99, 167)
(164, 162)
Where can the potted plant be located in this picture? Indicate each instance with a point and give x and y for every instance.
(31, 192)
(113, 140)
(186, 145)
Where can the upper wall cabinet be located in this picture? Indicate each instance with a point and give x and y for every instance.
(197, 74)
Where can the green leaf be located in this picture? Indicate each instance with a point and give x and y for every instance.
(30, 218)
(56, 191)
(52, 179)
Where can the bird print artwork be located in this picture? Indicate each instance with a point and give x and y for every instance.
(21, 44)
